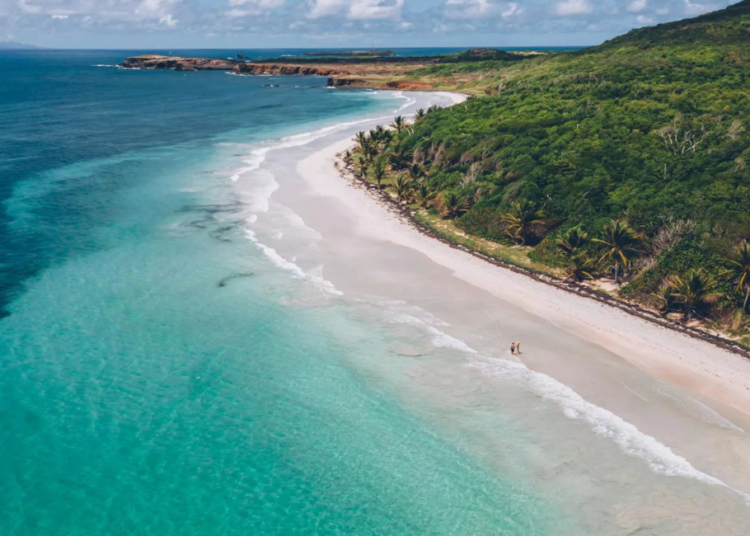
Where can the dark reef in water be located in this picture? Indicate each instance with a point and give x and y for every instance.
(225, 281)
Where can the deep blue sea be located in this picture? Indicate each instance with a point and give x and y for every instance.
(151, 381)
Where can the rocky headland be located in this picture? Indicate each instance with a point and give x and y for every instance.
(352, 74)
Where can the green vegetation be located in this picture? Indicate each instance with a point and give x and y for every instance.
(630, 160)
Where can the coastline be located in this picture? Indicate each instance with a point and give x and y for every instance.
(687, 369)
(617, 361)
(666, 353)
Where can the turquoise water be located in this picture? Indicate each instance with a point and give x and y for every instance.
(158, 373)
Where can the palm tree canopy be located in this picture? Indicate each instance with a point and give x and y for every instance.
(740, 266)
(621, 240)
(580, 267)
(402, 187)
(398, 123)
(693, 291)
(453, 205)
(572, 240)
(378, 170)
(519, 220)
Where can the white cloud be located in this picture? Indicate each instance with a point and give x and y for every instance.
(251, 8)
(693, 9)
(511, 10)
(325, 8)
(261, 5)
(468, 9)
(480, 9)
(643, 19)
(574, 7)
(167, 20)
(637, 6)
(356, 9)
(375, 9)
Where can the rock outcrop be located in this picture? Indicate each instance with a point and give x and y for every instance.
(349, 75)
(155, 61)
(285, 69)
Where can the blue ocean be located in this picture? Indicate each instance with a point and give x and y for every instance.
(161, 374)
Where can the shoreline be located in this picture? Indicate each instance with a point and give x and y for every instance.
(729, 386)
(547, 279)
(687, 371)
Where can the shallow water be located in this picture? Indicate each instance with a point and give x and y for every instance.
(174, 361)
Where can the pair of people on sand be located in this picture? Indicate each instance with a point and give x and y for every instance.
(515, 348)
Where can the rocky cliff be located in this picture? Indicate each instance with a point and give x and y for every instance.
(349, 75)
(286, 69)
(154, 61)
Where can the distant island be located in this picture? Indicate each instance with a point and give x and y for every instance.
(355, 72)
(12, 45)
(371, 52)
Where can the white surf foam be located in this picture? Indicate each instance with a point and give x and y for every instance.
(297, 272)
(659, 458)
(630, 439)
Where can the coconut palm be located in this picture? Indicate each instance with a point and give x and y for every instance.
(622, 244)
(424, 194)
(361, 165)
(580, 267)
(694, 292)
(739, 271)
(362, 140)
(378, 170)
(403, 188)
(572, 240)
(420, 113)
(452, 205)
(415, 172)
(398, 123)
(666, 298)
(521, 219)
(398, 158)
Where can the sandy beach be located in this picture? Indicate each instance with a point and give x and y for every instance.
(677, 403)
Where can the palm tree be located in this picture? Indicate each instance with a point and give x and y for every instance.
(520, 220)
(360, 166)
(693, 292)
(666, 297)
(403, 188)
(378, 170)
(415, 172)
(740, 271)
(398, 123)
(362, 140)
(398, 157)
(376, 132)
(420, 113)
(572, 240)
(452, 205)
(622, 243)
(580, 267)
(424, 194)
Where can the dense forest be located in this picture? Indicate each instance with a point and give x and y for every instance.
(629, 161)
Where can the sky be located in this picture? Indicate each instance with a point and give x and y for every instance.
(139, 24)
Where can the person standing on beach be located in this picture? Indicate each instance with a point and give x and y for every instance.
(513, 348)
(518, 347)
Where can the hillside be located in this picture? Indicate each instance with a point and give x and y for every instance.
(649, 129)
